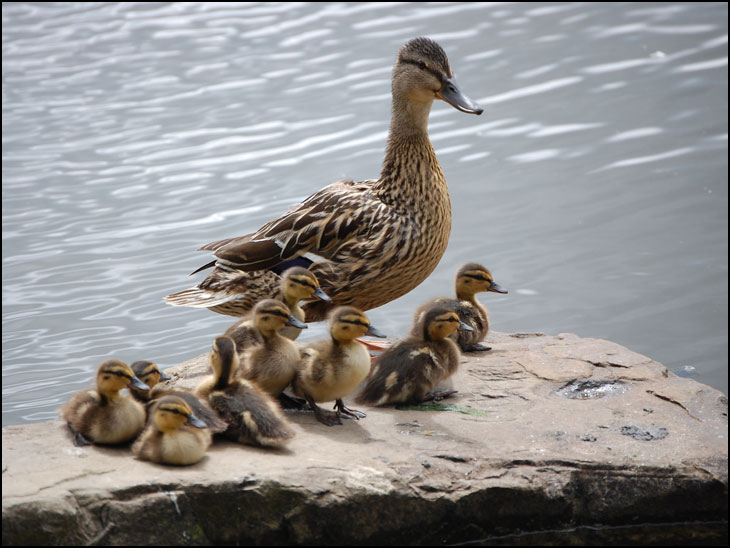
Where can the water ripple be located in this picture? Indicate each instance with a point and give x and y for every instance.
(133, 133)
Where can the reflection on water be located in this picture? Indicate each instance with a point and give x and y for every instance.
(594, 186)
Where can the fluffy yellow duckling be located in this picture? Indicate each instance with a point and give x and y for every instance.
(174, 435)
(104, 415)
(410, 369)
(253, 416)
(331, 369)
(271, 364)
(472, 278)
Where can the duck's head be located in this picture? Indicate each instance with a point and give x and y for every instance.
(149, 374)
(298, 283)
(113, 375)
(473, 278)
(224, 359)
(438, 322)
(171, 412)
(422, 73)
(270, 315)
(348, 323)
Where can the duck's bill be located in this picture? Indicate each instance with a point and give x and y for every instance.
(196, 422)
(451, 93)
(293, 322)
(322, 295)
(164, 376)
(465, 327)
(375, 333)
(497, 288)
(138, 384)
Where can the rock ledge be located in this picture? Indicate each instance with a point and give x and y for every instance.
(551, 440)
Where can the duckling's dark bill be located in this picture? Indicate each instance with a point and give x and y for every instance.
(497, 288)
(196, 422)
(451, 93)
(296, 323)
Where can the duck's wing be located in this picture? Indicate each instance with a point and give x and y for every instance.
(314, 229)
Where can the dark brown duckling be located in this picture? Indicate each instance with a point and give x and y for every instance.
(410, 370)
(253, 416)
(472, 278)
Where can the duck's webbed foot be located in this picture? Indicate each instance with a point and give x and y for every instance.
(347, 412)
(475, 348)
(79, 439)
(438, 395)
(325, 417)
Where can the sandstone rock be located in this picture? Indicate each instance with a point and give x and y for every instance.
(549, 440)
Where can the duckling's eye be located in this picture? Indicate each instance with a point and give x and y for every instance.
(345, 327)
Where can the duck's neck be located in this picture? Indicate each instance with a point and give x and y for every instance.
(410, 166)
(465, 296)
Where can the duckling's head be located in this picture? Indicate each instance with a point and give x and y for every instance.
(148, 373)
(299, 283)
(270, 315)
(438, 322)
(224, 360)
(171, 412)
(113, 375)
(348, 323)
(473, 278)
(422, 73)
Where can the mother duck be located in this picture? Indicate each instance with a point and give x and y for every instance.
(367, 242)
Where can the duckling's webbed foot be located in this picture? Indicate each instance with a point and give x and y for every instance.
(290, 402)
(325, 417)
(79, 439)
(438, 395)
(347, 412)
(475, 348)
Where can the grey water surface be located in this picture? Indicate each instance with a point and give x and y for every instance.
(594, 186)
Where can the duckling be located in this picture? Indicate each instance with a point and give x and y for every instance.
(297, 284)
(472, 278)
(104, 415)
(241, 291)
(271, 364)
(331, 369)
(149, 374)
(368, 242)
(410, 369)
(174, 435)
(253, 416)
(152, 376)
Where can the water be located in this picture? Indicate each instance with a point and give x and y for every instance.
(594, 186)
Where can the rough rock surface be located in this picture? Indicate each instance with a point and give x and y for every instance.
(556, 440)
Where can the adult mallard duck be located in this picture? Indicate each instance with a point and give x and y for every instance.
(472, 278)
(104, 415)
(368, 242)
(409, 370)
(332, 368)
